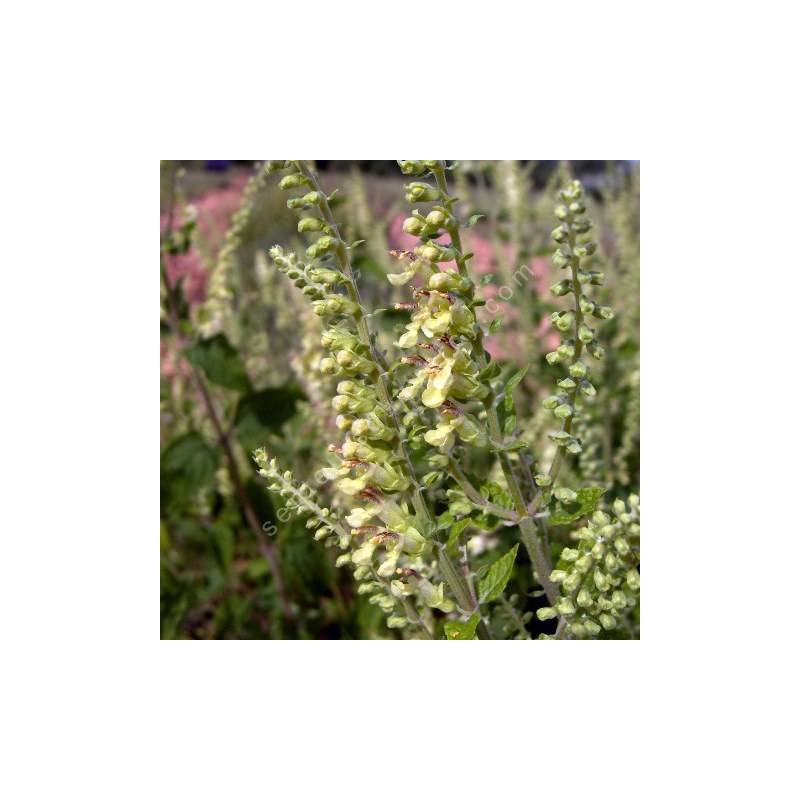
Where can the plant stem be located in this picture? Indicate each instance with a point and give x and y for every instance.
(527, 527)
(476, 497)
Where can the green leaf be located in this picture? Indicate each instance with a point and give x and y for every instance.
(456, 530)
(492, 370)
(188, 465)
(473, 220)
(514, 380)
(220, 362)
(455, 629)
(261, 412)
(587, 502)
(486, 279)
(444, 520)
(495, 325)
(493, 584)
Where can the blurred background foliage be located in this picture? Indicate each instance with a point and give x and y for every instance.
(233, 564)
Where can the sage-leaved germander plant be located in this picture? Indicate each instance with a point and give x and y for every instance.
(429, 459)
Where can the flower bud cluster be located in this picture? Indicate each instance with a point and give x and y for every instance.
(383, 542)
(578, 337)
(443, 330)
(599, 579)
(214, 312)
(400, 576)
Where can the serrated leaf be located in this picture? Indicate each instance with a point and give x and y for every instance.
(515, 379)
(259, 413)
(456, 530)
(493, 584)
(220, 362)
(444, 521)
(456, 630)
(473, 220)
(587, 502)
(188, 464)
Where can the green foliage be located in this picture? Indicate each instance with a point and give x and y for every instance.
(188, 464)
(260, 413)
(220, 362)
(495, 580)
(455, 629)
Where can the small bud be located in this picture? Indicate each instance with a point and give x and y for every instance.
(558, 575)
(587, 388)
(553, 358)
(560, 234)
(607, 621)
(611, 562)
(600, 581)
(561, 288)
(632, 579)
(565, 607)
(586, 305)
(621, 546)
(294, 180)
(584, 599)
(413, 226)
(578, 369)
(561, 259)
(591, 627)
(603, 312)
(563, 411)
(310, 224)
(562, 212)
(546, 613)
(327, 366)
(436, 218)
(582, 225)
(541, 479)
(421, 193)
(344, 422)
(564, 321)
(596, 350)
(565, 495)
(585, 333)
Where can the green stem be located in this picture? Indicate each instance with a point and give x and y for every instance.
(539, 560)
(515, 617)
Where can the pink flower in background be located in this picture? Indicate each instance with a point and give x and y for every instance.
(214, 210)
(190, 268)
